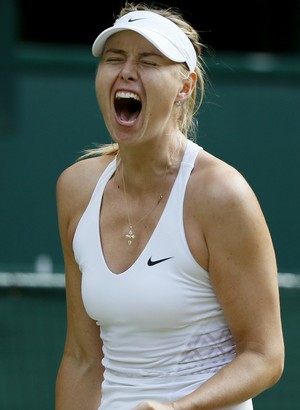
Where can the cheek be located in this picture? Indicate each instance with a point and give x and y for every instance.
(102, 89)
(167, 88)
(167, 94)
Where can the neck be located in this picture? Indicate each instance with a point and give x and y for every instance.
(143, 171)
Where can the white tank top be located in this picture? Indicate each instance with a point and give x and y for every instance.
(162, 328)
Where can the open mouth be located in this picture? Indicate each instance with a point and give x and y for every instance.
(128, 106)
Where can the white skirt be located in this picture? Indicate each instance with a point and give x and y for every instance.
(126, 393)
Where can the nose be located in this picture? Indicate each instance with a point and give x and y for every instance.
(128, 71)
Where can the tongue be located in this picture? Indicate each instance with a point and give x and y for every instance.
(127, 117)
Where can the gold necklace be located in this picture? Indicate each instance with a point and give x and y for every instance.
(130, 235)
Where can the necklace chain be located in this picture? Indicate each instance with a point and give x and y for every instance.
(130, 235)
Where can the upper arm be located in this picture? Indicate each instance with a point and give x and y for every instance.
(242, 264)
(82, 339)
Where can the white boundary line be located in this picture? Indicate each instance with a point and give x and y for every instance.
(32, 280)
(57, 280)
(289, 280)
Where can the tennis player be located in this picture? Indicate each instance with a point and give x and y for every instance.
(171, 276)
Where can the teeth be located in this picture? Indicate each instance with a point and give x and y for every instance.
(123, 94)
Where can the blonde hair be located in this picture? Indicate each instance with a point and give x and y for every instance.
(187, 121)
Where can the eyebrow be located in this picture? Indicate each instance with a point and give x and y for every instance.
(144, 54)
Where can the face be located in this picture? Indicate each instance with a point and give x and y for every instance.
(136, 88)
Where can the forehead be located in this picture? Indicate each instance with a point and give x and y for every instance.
(129, 40)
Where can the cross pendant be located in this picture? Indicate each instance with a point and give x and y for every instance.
(130, 235)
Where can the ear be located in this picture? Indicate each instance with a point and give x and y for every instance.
(187, 87)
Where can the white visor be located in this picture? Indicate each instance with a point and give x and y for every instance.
(165, 35)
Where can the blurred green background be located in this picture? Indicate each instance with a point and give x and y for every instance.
(49, 114)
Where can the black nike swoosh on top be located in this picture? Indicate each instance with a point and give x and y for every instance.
(151, 262)
(131, 20)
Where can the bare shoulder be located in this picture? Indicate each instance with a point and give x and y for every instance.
(221, 211)
(76, 183)
(223, 207)
(216, 182)
(218, 192)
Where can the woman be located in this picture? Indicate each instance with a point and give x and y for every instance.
(167, 252)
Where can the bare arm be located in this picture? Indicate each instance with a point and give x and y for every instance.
(242, 265)
(78, 385)
(243, 270)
